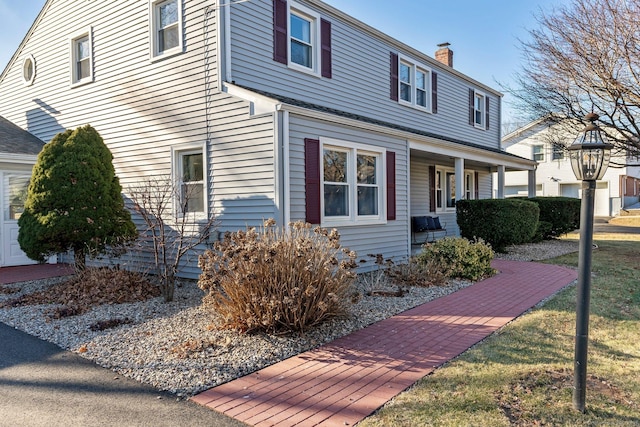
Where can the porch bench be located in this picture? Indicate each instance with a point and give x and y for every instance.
(429, 225)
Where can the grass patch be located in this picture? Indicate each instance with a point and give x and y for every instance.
(626, 221)
(523, 374)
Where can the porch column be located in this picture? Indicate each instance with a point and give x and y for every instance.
(459, 179)
(501, 170)
(532, 183)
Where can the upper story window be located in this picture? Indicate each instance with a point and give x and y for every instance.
(478, 109)
(302, 39)
(415, 81)
(166, 27)
(189, 168)
(28, 70)
(352, 183)
(82, 58)
(538, 153)
(557, 152)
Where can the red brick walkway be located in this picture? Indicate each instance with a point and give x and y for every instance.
(24, 273)
(342, 382)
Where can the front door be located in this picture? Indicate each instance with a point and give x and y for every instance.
(13, 193)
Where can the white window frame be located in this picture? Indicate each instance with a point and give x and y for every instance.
(469, 185)
(313, 18)
(481, 110)
(75, 79)
(353, 150)
(177, 153)
(414, 69)
(443, 188)
(557, 152)
(28, 59)
(534, 153)
(154, 28)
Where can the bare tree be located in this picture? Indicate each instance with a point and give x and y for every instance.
(172, 228)
(583, 58)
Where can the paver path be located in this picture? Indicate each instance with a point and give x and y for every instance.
(344, 381)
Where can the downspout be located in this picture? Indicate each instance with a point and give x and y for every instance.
(227, 40)
(286, 205)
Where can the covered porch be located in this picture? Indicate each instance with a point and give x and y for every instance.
(442, 173)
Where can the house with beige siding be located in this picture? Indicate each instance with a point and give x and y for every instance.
(285, 109)
(545, 141)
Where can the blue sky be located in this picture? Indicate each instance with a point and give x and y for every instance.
(483, 34)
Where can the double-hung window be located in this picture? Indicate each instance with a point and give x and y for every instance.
(352, 183)
(538, 152)
(82, 58)
(189, 169)
(479, 110)
(304, 31)
(166, 27)
(557, 152)
(415, 81)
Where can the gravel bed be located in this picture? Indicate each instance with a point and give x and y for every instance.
(173, 346)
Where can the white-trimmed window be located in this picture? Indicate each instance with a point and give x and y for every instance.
(415, 84)
(469, 185)
(479, 109)
(557, 152)
(166, 27)
(538, 152)
(28, 70)
(445, 188)
(304, 40)
(190, 171)
(353, 177)
(82, 58)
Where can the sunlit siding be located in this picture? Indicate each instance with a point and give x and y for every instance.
(390, 239)
(361, 77)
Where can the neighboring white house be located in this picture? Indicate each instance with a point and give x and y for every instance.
(546, 142)
(18, 152)
(261, 101)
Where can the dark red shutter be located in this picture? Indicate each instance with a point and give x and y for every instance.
(391, 186)
(487, 112)
(312, 180)
(280, 31)
(472, 109)
(432, 188)
(434, 93)
(394, 75)
(476, 185)
(325, 46)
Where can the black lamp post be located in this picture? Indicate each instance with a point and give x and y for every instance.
(589, 156)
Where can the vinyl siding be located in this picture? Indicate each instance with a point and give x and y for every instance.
(390, 239)
(141, 108)
(360, 82)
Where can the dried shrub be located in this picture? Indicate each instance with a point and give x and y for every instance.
(90, 288)
(423, 274)
(464, 259)
(277, 280)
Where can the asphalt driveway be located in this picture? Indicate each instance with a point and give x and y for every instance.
(43, 385)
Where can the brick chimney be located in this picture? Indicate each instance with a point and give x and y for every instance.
(444, 54)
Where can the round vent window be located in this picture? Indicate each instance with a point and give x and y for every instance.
(28, 70)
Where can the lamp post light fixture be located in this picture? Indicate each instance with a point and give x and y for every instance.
(589, 156)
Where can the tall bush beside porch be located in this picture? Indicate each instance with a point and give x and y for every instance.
(499, 222)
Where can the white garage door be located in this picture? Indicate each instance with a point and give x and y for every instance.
(602, 203)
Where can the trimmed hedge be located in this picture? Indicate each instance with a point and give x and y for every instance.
(563, 213)
(499, 222)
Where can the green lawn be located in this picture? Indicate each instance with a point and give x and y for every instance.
(523, 375)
